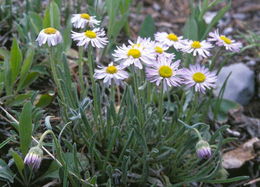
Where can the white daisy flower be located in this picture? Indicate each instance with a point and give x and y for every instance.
(197, 48)
(140, 43)
(135, 54)
(96, 37)
(111, 73)
(200, 77)
(165, 71)
(169, 40)
(222, 40)
(82, 20)
(160, 49)
(50, 36)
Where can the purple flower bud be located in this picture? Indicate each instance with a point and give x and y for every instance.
(34, 157)
(203, 149)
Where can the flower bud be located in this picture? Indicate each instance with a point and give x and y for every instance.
(203, 149)
(34, 157)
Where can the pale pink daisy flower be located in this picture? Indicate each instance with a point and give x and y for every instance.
(169, 39)
(166, 72)
(199, 77)
(135, 53)
(82, 20)
(96, 37)
(34, 157)
(111, 73)
(49, 35)
(222, 40)
(200, 48)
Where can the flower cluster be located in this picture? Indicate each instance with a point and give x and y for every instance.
(92, 35)
(95, 36)
(161, 66)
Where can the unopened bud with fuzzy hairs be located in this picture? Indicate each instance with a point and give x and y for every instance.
(203, 149)
(34, 157)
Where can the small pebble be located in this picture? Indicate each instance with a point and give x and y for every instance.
(240, 16)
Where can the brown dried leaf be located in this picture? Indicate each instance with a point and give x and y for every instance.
(236, 158)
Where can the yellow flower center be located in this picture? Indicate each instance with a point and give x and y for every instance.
(196, 44)
(90, 34)
(158, 50)
(85, 16)
(134, 53)
(225, 39)
(172, 37)
(111, 69)
(50, 30)
(199, 77)
(165, 71)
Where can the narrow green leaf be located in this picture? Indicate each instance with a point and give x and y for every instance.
(67, 39)
(8, 78)
(5, 172)
(215, 20)
(44, 100)
(30, 78)
(25, 128)
(15, 59)
(36, 22)
(221, 181)
(46, 19)
(54, 15)
(52, 172)
(147, 27)
(19, 99)
(191, 29)
(5, 142)
(26, 66)
(18, 162)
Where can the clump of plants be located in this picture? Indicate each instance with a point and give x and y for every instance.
(135, 115)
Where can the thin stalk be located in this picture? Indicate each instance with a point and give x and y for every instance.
(193, 108)
(93, 84)
(81, 64)
(112, 94)
(161, 108)
(30, 177)
(138, 98)
(55, 75)
(43, 136)
(214, 58)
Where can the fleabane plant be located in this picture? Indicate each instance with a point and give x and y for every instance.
(146, 126)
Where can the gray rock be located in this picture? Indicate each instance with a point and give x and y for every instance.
(240, 16)
(240, 85)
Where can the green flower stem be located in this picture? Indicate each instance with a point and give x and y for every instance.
(112, 93)
(81, 64)
(138, 98)
(161, 97)
(93, 84)
(54, 74)
(43, 136)
(198, 133)
(214, 58)
(193, 107)
(191, 127)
